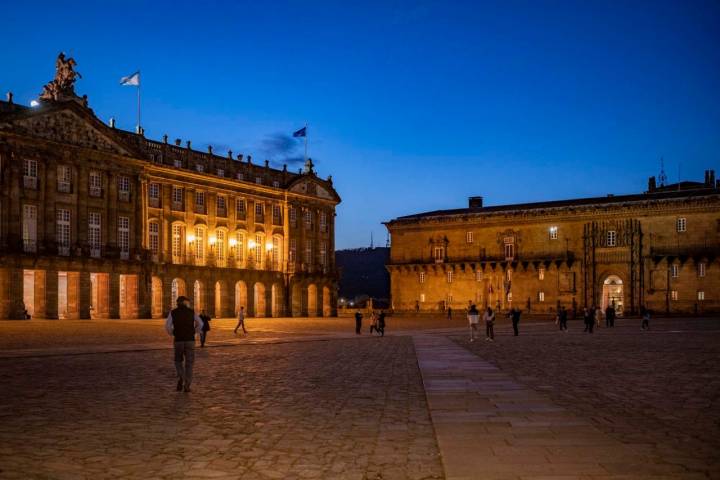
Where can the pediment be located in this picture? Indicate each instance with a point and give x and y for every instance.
(67, 126)
(309, 187)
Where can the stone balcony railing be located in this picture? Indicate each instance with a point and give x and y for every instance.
(568, 256)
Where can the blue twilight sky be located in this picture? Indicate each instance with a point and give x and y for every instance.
(412, 105)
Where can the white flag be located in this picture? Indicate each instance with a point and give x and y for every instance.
(132, 80)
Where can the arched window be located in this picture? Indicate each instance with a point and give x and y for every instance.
(200, 244)
(277, 252)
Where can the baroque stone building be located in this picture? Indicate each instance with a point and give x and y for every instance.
(97, 222)
(660, 249)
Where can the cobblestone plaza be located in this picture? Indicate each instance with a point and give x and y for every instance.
(306, 398)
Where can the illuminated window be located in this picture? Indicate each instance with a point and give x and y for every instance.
(541, 273)
(200, 244)
(422, 277)
(469, 237)
(450, 276)
(94, 233)
(220, 248)
(681, 224)
(240, 208)
(177, 239)
(674, 295)
(553, 233)
(154, 240)
(701, 269)
(124, 237)
(701, 295)
(611, 238)
(240, 247)
(62, 231)
(259, 245)
(439, 254)
(541, 296)
(478, 276)
(675, 270)
(422, 297)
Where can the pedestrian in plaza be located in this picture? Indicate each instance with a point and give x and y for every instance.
(381, 323)
(449, 312)
(205, 327)
(373, 322)
(182, 323)
(589, 316)
(358, 322)
(473, 319)
(417, 306)
(645, 312)
(598, 316)
(610, 316)
(240, 321)
(515, 316)
(563, 315)
(489, 318)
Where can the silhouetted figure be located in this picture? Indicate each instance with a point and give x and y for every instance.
(515, 316)
(240, 321)
(417, 306)
(645, 312)
(563, 316)
(373, 323)
(182, 323)
(473, 320)
(358, 322)
(205, 327)
(589, 317)
(381, 323)
(449, 313)
(489, 318)
(610, 316)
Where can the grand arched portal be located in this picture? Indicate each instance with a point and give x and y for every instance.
(612, 293)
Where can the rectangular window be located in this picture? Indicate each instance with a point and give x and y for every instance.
(95, 233)
(199, 202)
(553, 233)
(541, 296)
(177, 198)
(681, 224)
(468, 237)
(541, 273)
(240, 208)
(422, 277)
(308, 254)
(293, 217)
(124, 188)
(200, 167)
(154, 195)
(439, 254)
(177, 242)
(177, 163)
(276, 184)
(701, 295)
(62, 231)
(277, 215)
(220, 172)
(258, 180)
(675, 270)
(701, 269)
(422, 298)
(29, 228)
(220, 247)
(478, 276)
(449, 276)
(611, 238)
(240, 247)
(95, 184)
(509, 251)
(64, 179)
(674, 295)
(154, 231)
(30, 171)
(221, 206)
(199, 245)
(276, 253)
(239, 176)
(323, 222)
(259, 212)
(308, 219)
(124, 237)
(259, 245)
(292, 253)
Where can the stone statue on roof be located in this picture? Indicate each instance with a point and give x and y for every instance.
(63, 85)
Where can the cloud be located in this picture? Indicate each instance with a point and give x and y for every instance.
(279, 145)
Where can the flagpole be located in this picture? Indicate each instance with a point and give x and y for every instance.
(138, 105)
(306, 135)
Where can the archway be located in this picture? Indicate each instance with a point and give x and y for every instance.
(156, 308)
(327, 302)
(259, 297)
(221, 300)
(612, 293)
(128, 296)
(312, 293)
(297, 300)
(241, 298)
(198, 292)
(177, 288)
(100, 296)
(278, 304)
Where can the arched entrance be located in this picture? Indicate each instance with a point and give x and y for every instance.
(326, 304)
(277, 300)
(312, 304)
(241, 297)
(297, 300)
(156, 309)
(259, 297)
(198, 291)
(176, 289)
(612, 293)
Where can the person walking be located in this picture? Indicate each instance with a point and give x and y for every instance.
(610, 316)
(449, 312)
(589, 319)
(182, 323)
(381, 323)
(563, 318)
(515, 316)
(473, 319)
(241, 321)
(645, 318)
(598, 316)
(489, 318)
(373, 322)
(358, 322)
(205, 327)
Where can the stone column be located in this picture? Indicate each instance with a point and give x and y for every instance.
(209, 296)
(11, 293)
(167, 300)
(144, 295)
(51, 294)
(85, 294)
(114, 295)
(39, 297)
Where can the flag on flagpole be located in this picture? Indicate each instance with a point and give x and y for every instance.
(132, 80)
(301, 133)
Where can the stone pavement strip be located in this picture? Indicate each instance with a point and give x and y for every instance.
(489, 426)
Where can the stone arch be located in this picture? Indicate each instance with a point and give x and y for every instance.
(241, 296)
(312, 300)
(259, 299)
(277, 300)
(326, 301)
(177, 288)
(198, 296)
(156, 300)
(612, 293)
(222, 300)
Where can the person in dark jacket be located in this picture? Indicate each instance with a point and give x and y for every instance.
(381, 323)
(515, 316)
(182, 323)
(205, 327)
(358, 322)
(589, 317)
(563, 317)
(610, 316)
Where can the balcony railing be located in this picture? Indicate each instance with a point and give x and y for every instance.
(64, 250)
(64, 187)
(30, 182)
(95, 252)
(177, 206)
(200, 209)
(519, 257)
(154, 202)
(29, 246)
(124, 196)
(221, 212)
(95, 192)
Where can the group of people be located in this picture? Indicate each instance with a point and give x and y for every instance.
(594, 315)
(489, 319)
(377, 322)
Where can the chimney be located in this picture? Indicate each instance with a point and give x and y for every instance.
(267, 163)
(475, 202)
(652, 185)
(230, 154)
(249, 158)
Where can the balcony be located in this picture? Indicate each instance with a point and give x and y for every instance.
(95, 192)
(64, 250)
(64, 187)
(277, 220)
(259, 218)
(29, 246)
(124, 196)
(154, 202)
(177, 206)
(200, 209)
(221, 212)
(124, 255)
(95, 252)
(30, 183)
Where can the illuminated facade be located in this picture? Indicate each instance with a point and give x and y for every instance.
(659, 249)
(96, 222)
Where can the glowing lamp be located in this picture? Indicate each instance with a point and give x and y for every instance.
(190, 237)
(269, 246)
(232, 242)
(251, 244)
(212, 240)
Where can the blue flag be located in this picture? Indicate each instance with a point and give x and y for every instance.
(301, 133)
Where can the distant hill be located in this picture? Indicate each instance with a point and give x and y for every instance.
(362, 272)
